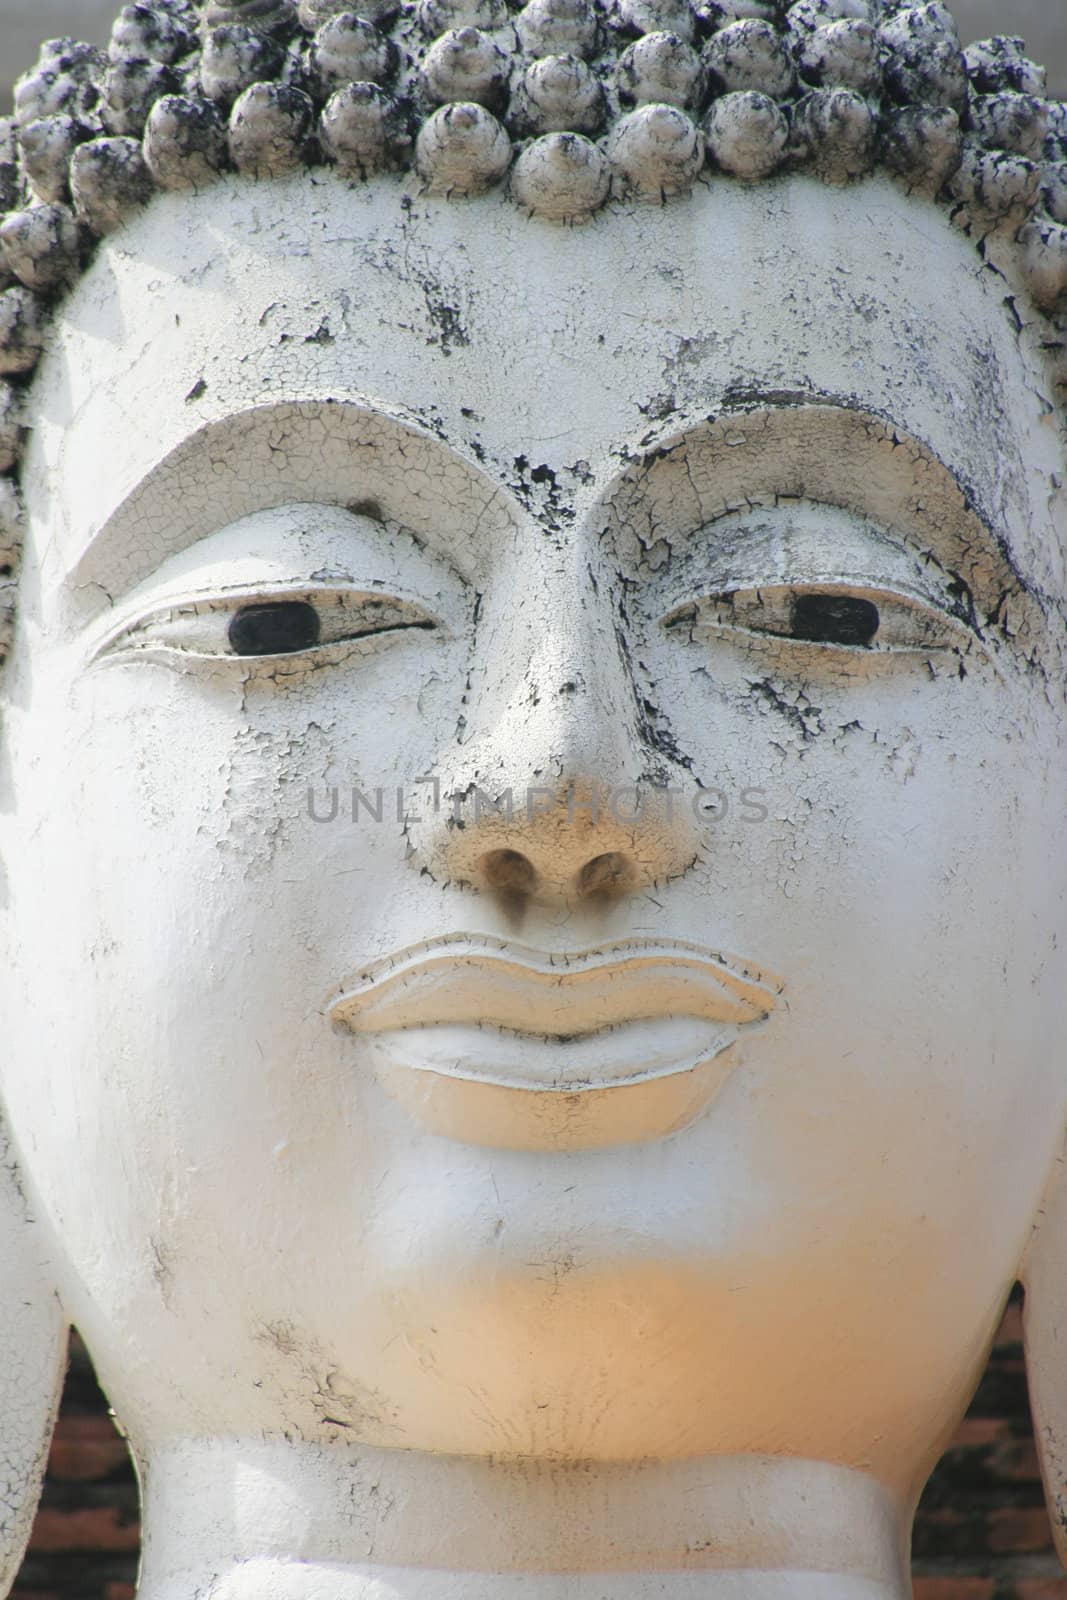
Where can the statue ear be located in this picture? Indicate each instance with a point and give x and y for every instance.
(33, 1357)
(1044, 1278)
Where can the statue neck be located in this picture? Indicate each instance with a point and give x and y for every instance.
(293, 1521)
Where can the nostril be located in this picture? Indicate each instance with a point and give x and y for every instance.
(608, 874)
(509, 871)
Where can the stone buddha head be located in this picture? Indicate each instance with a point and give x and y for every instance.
(531, 805)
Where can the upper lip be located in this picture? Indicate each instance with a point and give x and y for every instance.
(477, 979)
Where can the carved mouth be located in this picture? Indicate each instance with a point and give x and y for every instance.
(484, 982)
(497, 1043)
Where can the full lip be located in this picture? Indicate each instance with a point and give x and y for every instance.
(488, 1010)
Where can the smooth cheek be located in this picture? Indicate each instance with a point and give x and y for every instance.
(902, 884)
(206, 915)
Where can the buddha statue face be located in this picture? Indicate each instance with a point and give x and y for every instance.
(701, 1106)
(534, 902)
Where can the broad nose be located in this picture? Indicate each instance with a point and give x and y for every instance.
(559, 787)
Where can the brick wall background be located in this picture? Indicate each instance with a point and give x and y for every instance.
(982, 1531)
(85, 1540)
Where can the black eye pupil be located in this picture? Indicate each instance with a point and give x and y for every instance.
(834, 619)
(274, 629)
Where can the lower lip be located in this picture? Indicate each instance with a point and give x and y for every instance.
(630, 1084)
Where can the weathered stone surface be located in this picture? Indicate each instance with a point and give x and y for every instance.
(311, 14)
(748, 55)
(108, 181)
(614, 428)
(348, 49)
(806, 17)
(21, 331)
(184, 142)
(462, 149)
(720, 13)
(790, 395)
(9, 164)
(45, 150)
(41, 246)
(364, 129)
(655, 152)
(1009, 121)
(1001, 63)
(234, 57)
(270, 125)
(149, 33)
(850, 82)
(1053, 191)
(65, 82)
(131, 89)
(1044, 246)
(12, 431)
(557, 28)
(562, 177)
(557, 94)
(440, 16)
(635, 17)
(659, 68)
(993, 189)
(10, 520)
(922, 146)
(465, 64)
(924, 64)
(267, 15)
(833, 134)
(747, 135)
(843, 55)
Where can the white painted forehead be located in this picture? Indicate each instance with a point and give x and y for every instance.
(488, 337)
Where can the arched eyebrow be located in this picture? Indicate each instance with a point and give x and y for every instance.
(328, 451)
(770, 449)
(817, 450)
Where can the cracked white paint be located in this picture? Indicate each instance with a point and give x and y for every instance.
(692, 1303)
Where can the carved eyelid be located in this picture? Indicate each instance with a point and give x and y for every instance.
(938, 612)
(806, 541)
(225, 603)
